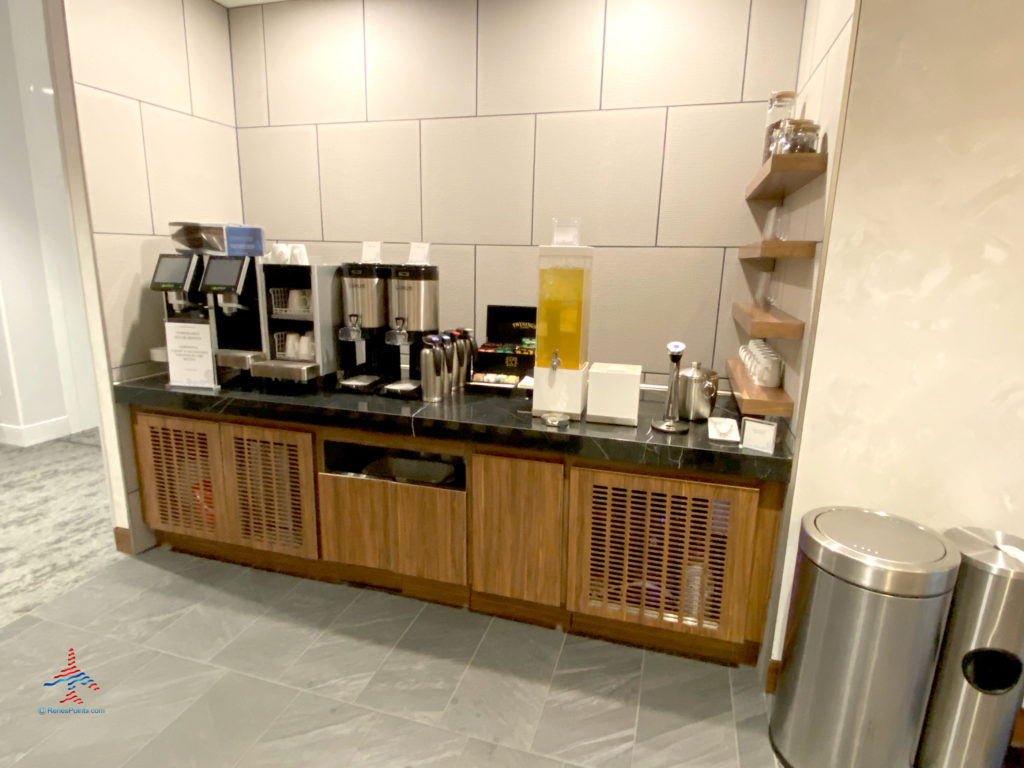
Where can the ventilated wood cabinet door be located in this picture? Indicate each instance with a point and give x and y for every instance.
(430, 532)
(666, 553)
(516, 536)
(354, 521)
(268, 475)
(180, 476)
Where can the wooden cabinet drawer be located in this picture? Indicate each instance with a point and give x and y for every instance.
(181, 476)
(355, 521)
(268, 476)
(430, 532)
(516, 536)
(661, 552)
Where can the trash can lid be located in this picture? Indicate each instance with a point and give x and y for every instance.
(998, 553)
(879, 551)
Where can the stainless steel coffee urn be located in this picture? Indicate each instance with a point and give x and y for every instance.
(413, 300)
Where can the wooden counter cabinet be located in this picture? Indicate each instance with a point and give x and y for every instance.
(516, 536)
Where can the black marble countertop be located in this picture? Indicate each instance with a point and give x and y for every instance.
(483, 418)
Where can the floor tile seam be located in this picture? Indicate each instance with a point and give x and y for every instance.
(547, 692)
(391, 650)
(175, 719)
(639, 703)
(249, 747)
(735, 719)
(316, 637)
(465, 670)
(252, 621)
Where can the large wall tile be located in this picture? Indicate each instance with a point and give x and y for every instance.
(832, 16)
(420, 58)
(604, 167)
(209, 60)
(110, 129)
(644, 298)
(477, 179)
(370, 180)
(132, 314)
(504, 275)
(193, 168)
(456, 277)
(280, 182)
(315, 61)
(249, 65)
(660, 52)
(773, 47)
(131, 47)
(540, 56)
(711, 154)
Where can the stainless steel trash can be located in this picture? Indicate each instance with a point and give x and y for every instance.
(979, 685)
(871, 594)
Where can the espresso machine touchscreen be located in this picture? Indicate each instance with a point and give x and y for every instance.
(177, 277)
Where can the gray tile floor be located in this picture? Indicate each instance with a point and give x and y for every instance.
(56, 526)
(202, 663)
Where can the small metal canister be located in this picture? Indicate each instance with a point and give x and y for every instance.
(698, 390)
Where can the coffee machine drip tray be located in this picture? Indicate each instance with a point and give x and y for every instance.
(242, 359)
(286, 370)
(364, 383)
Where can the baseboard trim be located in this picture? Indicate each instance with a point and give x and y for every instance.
(32, 434)
(123, 541)
(1017, 740)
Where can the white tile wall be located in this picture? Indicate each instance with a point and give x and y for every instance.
(773, 47)
(710, 156)
(110, 129)
(249, 65)
(132, 314)
(504, 275)
(540, 56)
(129, 47)
(193, 168)
(315, 61)
(662, 52)
(209, 60)
(604, 167)
(739, 283)
(420, 58)
(477, 179)
(280, 183)
(644, 298)
(370, 180)
(456, 275)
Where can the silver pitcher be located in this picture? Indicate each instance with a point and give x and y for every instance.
(697, 392)
(434, 381)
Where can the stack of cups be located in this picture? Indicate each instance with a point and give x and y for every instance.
(763, 363)
(282, 253)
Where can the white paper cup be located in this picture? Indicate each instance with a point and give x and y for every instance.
(299, 255)
(291, 344)
(306, 346)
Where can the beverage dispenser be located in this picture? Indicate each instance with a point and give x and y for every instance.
(233, 304)
(364, 358)
(412, 311)
(563, 330)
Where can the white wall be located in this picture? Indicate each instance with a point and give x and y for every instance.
(915, 400)
(472, 124)
(156, 121)
(33, 403)
(154, 103)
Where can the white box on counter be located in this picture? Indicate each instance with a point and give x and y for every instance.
(613, 393)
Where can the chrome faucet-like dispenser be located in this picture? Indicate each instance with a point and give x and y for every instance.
(671, 422)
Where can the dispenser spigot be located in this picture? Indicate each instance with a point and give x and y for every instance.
(555, 360)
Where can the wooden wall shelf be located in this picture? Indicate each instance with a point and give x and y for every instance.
(754, 400)
(767, 324)
(782, 175)
(778, 249)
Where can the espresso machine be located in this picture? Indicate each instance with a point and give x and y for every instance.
(178, 276)
(300, 314)
(231, 285)
(413, 300)
(364, 357)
